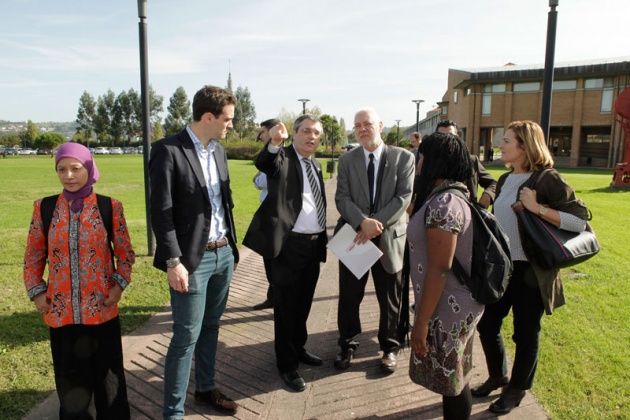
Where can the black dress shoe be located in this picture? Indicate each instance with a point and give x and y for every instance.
(509, 399)
(265, 305)
(344, 359)
(490, 385)
(389, 362)
(310, 359)
(293, 380)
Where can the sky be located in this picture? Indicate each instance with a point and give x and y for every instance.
(343, 55)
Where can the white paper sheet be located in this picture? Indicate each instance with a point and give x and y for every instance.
(357, 258)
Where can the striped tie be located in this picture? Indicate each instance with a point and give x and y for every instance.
(317, 195)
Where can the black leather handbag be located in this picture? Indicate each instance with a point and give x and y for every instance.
(553, 247)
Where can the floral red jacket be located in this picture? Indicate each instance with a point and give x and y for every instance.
(81, 268)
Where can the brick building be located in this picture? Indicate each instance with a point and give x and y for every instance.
(485, 100)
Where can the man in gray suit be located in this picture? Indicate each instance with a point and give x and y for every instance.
(374, 187)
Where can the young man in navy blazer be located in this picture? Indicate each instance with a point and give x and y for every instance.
(191, 211)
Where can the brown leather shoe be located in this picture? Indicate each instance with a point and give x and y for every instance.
(216, 399)
(389, 362)
(344, 359)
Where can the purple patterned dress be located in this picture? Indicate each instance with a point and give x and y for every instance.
(445, 368)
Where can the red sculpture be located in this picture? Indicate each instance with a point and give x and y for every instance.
(621, 177)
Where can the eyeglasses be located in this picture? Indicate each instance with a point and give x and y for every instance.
(367, 126)
(309, 131)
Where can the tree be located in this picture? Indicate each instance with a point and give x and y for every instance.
(11, 140)
(287, 118)
(244, 112)
(391, 137)
(49, 140)
(331, 130)
(127, 106)
(86, 115)
(156, 105)
(29, 134)
(343, 132)
(101, 121)
(158, 132)
(179, 112)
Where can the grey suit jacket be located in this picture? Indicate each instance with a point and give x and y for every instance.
(394, 187)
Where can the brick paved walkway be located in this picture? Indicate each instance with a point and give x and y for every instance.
(246, 363)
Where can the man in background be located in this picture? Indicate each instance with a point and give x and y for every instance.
(480, 175)
(260, 182)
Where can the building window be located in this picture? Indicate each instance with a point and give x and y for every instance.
(593, 83)
(564, 85)
(498, 88)
(445, 110)
(486, 104)
(598, 138)
(455, 97)
(526, 87)
(607, 100)
(468, 91)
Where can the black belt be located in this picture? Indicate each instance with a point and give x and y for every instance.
(307, 236)
(212, 245)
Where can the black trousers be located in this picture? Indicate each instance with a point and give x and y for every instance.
(388, 289)
(88, 360)
(267, 263)
(294, 278)
(523, 297)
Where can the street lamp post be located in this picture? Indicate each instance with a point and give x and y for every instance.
(144, 88)
(545, 116)
(397, 131)
(304, 101)
(417, 102)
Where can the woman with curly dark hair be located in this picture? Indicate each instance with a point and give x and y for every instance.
(440, 230)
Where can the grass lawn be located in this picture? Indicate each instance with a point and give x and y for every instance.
(584, 370)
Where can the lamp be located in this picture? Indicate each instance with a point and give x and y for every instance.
(417, 102)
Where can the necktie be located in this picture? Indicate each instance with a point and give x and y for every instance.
(317, 194)
(370, 174)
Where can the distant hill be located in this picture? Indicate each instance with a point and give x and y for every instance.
(67, 129)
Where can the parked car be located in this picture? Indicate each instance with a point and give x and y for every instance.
(11, 151)
(43, 152)
(101, 151)
(115, 151)
(130, 150)
(26, 151)
(350, 146)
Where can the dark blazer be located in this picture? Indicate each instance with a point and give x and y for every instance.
(180, 204)
(483, 178)
(278, 213)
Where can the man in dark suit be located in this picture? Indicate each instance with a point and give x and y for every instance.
(480, 175)
(289, 228)
(374, 188)
(191, 211)
(260, 181)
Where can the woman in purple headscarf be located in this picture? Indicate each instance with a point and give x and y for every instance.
(84, 239)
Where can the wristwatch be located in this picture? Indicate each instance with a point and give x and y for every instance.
(173, 262)
(542, 210)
